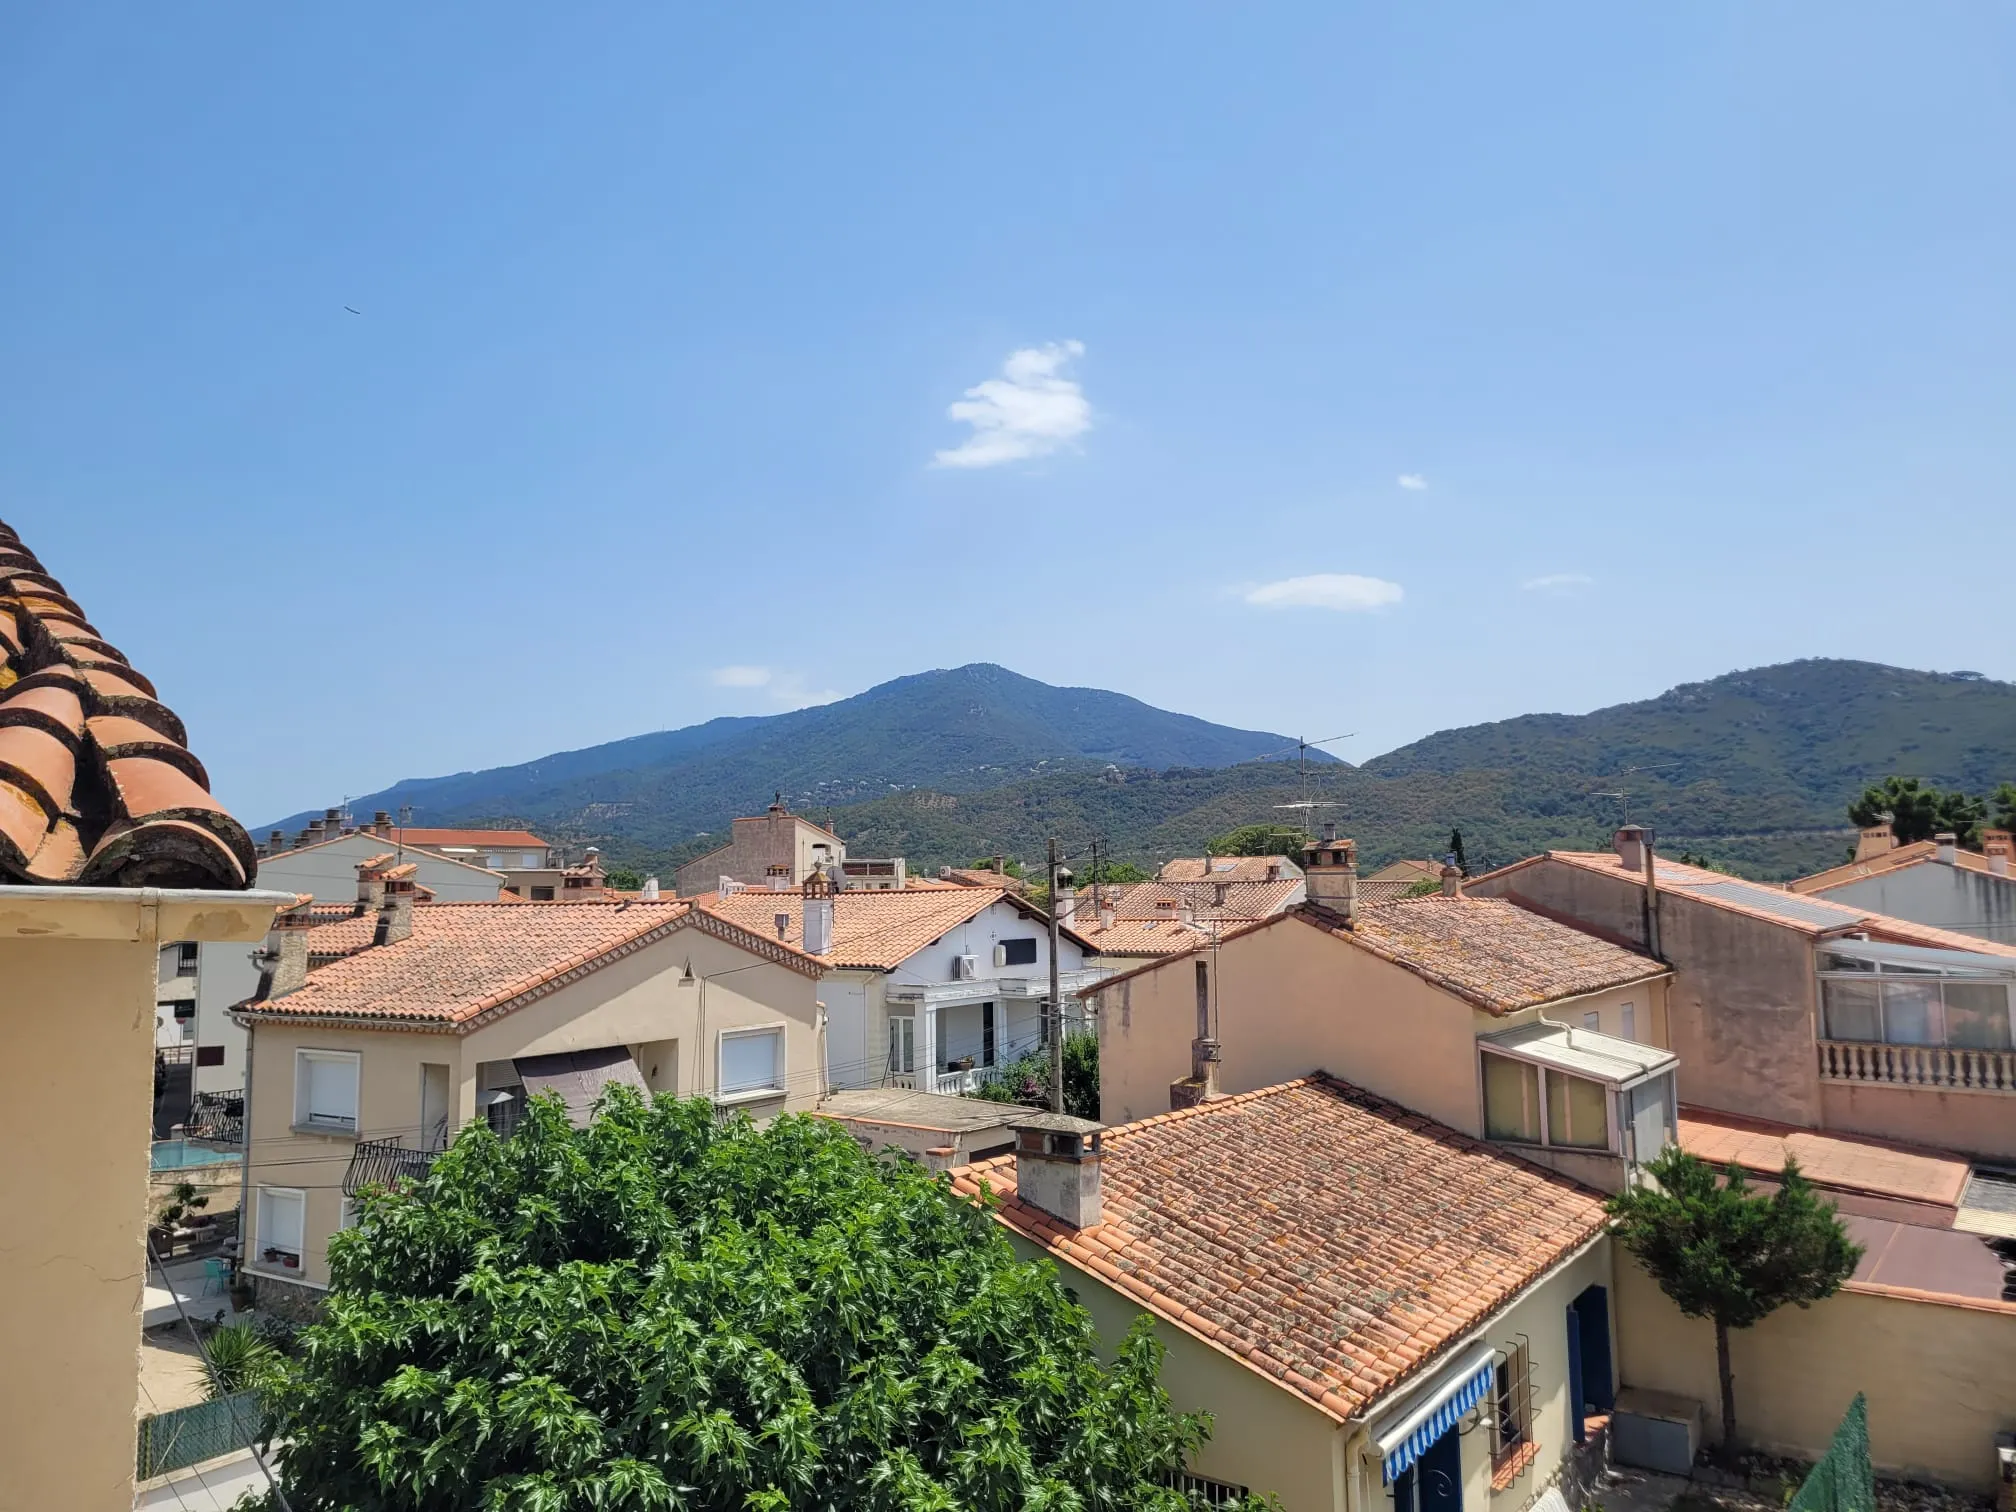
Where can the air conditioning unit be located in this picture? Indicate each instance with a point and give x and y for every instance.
(966, 968)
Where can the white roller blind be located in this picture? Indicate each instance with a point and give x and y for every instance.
(749, 1062)
(281, 1220)
(328, 1090)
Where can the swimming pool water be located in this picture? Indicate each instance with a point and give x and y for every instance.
(180, 1155)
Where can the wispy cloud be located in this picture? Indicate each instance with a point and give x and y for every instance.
(1031, 410)
(1557, 582)
(790, 690)
(1345, 592)
(1414, 482)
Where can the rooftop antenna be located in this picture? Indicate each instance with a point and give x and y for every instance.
(1623, 796)
(1302, 748)
(405, 818)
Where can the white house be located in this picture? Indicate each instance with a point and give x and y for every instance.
(929, 988)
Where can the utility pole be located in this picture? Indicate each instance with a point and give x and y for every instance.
(1056, 997)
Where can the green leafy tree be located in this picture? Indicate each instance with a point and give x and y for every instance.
(1026, 1079)
(1731, 1256)
(623, 878)
(1961, 816)
(1918, 812)
(1255, 840)
(664, 1311)
(2003, 804)
(1010, 868)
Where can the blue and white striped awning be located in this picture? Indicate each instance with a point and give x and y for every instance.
(1428, 1417)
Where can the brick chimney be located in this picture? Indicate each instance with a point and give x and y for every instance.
(395, 914)
(381, 824)
(1273, 871)
(1452, 882)
(816, 933)
(1876, 840)
(283, 965)
(1998, 848)
(1948, 845)
(313, 834)
(276, 842)
(1057, 1160)
(1331, 867)
(371, 883)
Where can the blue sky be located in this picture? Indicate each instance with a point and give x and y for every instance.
(1323, 367)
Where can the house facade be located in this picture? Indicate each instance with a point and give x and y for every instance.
(420, 1020)
(1931, 882)
(1485, 1017)
(1312, 1258)
(111, 848)
(774, 847)
(1801, 1010)
(927, 989)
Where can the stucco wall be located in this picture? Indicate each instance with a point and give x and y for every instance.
(635, 1002)
(1977, 1123)
(1947, 897)
(1740, 1011)
(1940, 1376)
(1291, 999)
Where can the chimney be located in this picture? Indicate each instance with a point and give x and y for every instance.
(1997, 847)
(1273, 871)
(1057, 1161)
(1000, 865)
(1067, 897)
(395, 914)
(1630, 844)
(1452, 882)
(313, 834)
(1949, 847)
(283, 965)
(1108, 914)
(1202, 1084)
(1219, 889)
(276, 842)
(381, 825)
(817, 934)
(1331, 866)
(1876, 840)
(783, 923)
(650, 892)
(371, 884)
(332, 822)
(593, 862)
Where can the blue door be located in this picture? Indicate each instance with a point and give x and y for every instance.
(1590, 1386)
(1434, 1482)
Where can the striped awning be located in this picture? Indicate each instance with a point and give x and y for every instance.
(1430, 1416)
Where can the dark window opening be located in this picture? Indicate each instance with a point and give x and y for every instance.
(542, 895)
(1018, 952)
(986, 1034)
(209, 1055)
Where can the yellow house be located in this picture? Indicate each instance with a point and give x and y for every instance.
(1377, 1311)
(111, 847)
(1487, 1017)
(418, 1020)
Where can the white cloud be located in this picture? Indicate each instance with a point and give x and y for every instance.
(1346, 592)
(1414, 482)
(1031, 410)
(741, 677)
(789, 690)
(1557, 582)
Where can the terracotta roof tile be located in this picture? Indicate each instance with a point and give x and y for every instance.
(1918, 853)
(1329, 1239)
(875, 930)
(1225, 869)
(967, 876)
(1140, 937)
(1205, 900)
(98, 786)
(461, 961)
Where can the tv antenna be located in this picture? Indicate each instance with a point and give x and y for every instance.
(1302, 748)
(1624, 795)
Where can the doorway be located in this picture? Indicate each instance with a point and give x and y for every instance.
(1434, 1482)
(1591, 1385)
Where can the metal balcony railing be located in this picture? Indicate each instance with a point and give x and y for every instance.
(384, 1163)
(1932, 1066)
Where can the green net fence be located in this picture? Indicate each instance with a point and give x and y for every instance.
(1843, 1480)
(190, 1435)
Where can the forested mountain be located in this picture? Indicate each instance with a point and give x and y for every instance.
(1754, 769)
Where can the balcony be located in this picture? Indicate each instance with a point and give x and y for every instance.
(950, 1083)
(383, 1163)
(1935, 1068)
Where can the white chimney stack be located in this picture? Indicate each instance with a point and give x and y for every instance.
(1057, 1160)
(817, 934)
(1630, 844)
(1995, 845)
(650, 890)
(1949, 847)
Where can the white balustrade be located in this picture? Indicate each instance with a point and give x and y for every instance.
(1931, 1066)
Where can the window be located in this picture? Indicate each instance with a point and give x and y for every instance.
(283, 1217)
(1629, 1013)
(1203, 1001)
(903, 1045)
(1593, 1021)
(325, 1090)
(186, 958)
(496, 862)
(209, 1055)
(1648, 1114)
(1018, 952)
(1511, 1099)
(528, 859)
(348, 1210)
(752, 1061)
(1512, 1404)
(542, 895)
(1881, 1001)
(986, 1034)
(1202, 1490)
(1578, 1112)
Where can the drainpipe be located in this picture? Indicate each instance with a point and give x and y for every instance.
(1651, 898)
(245, 1158)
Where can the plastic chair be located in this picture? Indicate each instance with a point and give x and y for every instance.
(214, 1275)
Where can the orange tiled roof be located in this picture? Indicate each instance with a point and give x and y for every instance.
(1140, 937)
(1492, 952)
(465, 962)
(1829, 917)
(1406, 872)
(873, 930)
(1844, 1161)
(476, 839)
(98, 786)
(968, 876)
(1225, 868)
(1329, 1240)
(1917, 853)
(1165, 900)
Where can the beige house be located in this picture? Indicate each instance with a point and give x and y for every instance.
(1800, 1009)
(1483, 1016)
(775, 847)
(111, 848)
(1377, 1311)
(415, 1021)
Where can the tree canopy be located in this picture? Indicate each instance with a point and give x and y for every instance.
(1255, 840)
(1731, 1256)
(1918, 812)
(666, 1311)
